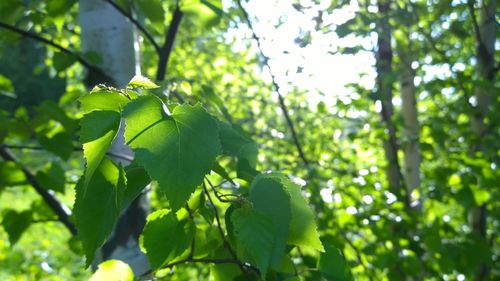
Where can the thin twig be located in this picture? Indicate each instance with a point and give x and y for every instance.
(54, 204)
(219, 196)
(223, 236)
(136, 23)
(275, 85)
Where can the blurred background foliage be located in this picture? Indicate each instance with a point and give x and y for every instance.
(216, 60)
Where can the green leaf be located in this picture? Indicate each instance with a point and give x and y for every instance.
(254, 234)
(332, 265)
(60, 144)
(204, 13)
(56, 113)
(6, 87)
(113, 270)
(221, 171)
(245, 171)
(224, 272)
(97, 206)
(103, 98)
(235, 142)
(177, 150)
(10, 174)
(59, 8)
(93, 57)
(303, 229)
(61, 61)
(165, 237)
(152, 10)
(137, 180)
(141, 82)
(15, 223)
(52, 177)
(271, 199)
(98, 129)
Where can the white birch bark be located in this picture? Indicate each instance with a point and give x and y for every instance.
(411, 129)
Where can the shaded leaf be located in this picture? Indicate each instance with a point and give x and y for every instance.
(165, 237)
(60, 144)
(332, 265)
(271, 199)
(137, 180)
(97, 206)
(15, 223)
(52, 177)
(254, 234)
(152, 10)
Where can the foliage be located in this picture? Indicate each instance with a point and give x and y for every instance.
(218, 148)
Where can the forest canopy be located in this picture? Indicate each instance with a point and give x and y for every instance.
(249, 140)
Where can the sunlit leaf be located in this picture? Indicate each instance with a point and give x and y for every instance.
(113, 270)
(177, 150)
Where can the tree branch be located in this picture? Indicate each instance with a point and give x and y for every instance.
(475, 24)
(116, 155)
(136, 23)
(51, 201)
(166, 49)
(276, 86)
(47, 42)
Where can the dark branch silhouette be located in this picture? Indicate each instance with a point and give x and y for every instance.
(116, 155)
(50, 199)
(47, 42)
(166, 49)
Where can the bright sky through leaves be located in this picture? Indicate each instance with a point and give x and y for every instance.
(323, 70)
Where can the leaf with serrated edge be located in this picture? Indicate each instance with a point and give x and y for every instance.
(141, 82)
(110, 99)
(97, 206)
(254, 234)
(303, 229)
(271, 199)
(98, 129)
(177, 150)
(165, 237)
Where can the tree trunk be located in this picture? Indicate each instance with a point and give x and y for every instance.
(485, 31)
(107, 32)
(385, 84)
(411, 129)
